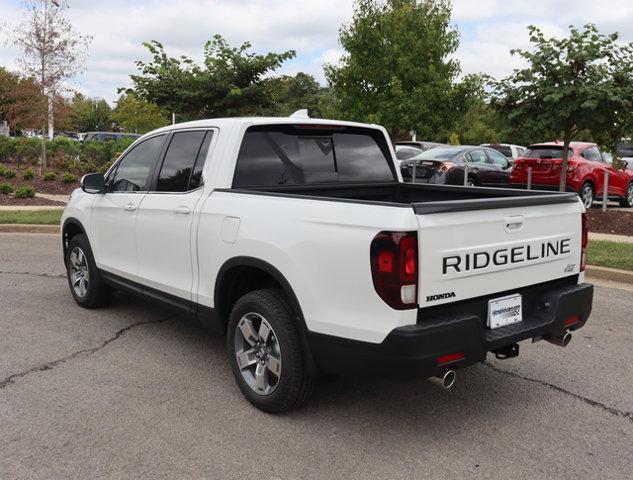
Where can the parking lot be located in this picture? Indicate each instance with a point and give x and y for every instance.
(131, 391)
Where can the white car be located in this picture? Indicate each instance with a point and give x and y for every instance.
(297, 240)
(508, 149)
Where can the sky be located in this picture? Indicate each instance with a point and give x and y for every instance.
(488, 30)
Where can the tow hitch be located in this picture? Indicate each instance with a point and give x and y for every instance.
(509, 351)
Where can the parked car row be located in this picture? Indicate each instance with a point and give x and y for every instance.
(490, 165)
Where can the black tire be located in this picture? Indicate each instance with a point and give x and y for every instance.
(627, 201)
(97, 293)
(295, 382)
(472, 182)
(587, 194)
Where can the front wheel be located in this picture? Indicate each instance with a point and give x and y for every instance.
(265, 352)
(627, 201)
(86, 285)
(586, 195)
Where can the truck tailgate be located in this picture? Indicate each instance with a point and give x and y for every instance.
(466, 254)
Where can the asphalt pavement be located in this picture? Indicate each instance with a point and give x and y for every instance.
(131, 391)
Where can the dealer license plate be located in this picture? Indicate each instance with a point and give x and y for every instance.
(505, 311)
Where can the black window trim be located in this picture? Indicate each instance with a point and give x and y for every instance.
(115, 167)
(161, 159)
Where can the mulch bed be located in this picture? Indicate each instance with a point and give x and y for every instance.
(53, 187)
(611, 221)
(11, 201)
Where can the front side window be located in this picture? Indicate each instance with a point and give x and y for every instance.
(497, 159)
(180, 161)
(132, 173)
(288, 154)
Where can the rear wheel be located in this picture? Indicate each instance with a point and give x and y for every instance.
(627, 201)
(471, 182)
(86, 285)
(586, 194)
(265, 352)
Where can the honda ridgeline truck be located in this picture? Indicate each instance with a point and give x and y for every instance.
(297, 239)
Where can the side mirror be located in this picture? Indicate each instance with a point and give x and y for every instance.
(93, 183)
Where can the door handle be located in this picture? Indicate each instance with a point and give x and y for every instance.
(130, 207)
(182, 210)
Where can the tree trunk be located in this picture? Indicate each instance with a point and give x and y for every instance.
(43, 156)
(50, 115)
(563, 167)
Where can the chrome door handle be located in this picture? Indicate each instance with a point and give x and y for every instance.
(130, 207)
(182, 210)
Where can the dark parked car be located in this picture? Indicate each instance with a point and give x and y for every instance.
(405, 152)
(108, 136)
(625, 149)
(421, 145)
(445, 165)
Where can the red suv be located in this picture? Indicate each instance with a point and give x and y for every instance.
(585, 174)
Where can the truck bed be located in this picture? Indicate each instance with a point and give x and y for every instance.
(423, 198)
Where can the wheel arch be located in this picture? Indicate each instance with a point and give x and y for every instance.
(227, 290)
(70, 228)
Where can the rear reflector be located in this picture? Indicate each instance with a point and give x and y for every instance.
(451, 357)
(572, 320)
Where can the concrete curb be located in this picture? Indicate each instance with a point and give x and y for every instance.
(22, 228)
(613, 274)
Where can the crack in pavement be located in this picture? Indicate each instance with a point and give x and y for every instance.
(588, 401)
(86, 351)
(45, 275)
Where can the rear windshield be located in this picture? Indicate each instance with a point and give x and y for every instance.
(441, 152)
(292, 154)
(545, 152)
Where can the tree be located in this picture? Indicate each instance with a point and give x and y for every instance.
(582, 83)
(397, 69)
(138, 116)
(51, 51)
(91, 114)
(292, 93)
(230, 82)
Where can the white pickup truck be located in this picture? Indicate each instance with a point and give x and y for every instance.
(297, 239)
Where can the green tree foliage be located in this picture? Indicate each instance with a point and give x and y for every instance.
(230, 82)
(397, 69)
(135, 115)
(582, 83)
(292, 93)
(91, 114)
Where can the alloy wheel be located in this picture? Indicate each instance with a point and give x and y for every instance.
(629, 195)
(79, 274)
(258, 353)
(587, 196)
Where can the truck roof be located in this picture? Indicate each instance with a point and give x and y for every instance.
(236, 122)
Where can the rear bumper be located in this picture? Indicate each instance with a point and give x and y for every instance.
(414, 349)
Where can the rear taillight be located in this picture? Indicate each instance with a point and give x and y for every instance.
(446, 166)
(571, 167)
(394, 268)
(585, 242)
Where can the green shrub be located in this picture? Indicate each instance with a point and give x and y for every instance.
(50, 176)
(6, 188)
(25, 192)
(68, 178)
(8, 173)
(2, 168)
(28, 174)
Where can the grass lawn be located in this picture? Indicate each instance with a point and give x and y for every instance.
(31, 217)
(610, 254)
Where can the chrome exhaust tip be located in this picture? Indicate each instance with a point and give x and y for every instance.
(446, 381)
(561, 341)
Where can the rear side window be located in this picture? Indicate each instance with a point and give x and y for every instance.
(133, 170)
(182, 161)
(288, 154)
(476, 156)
